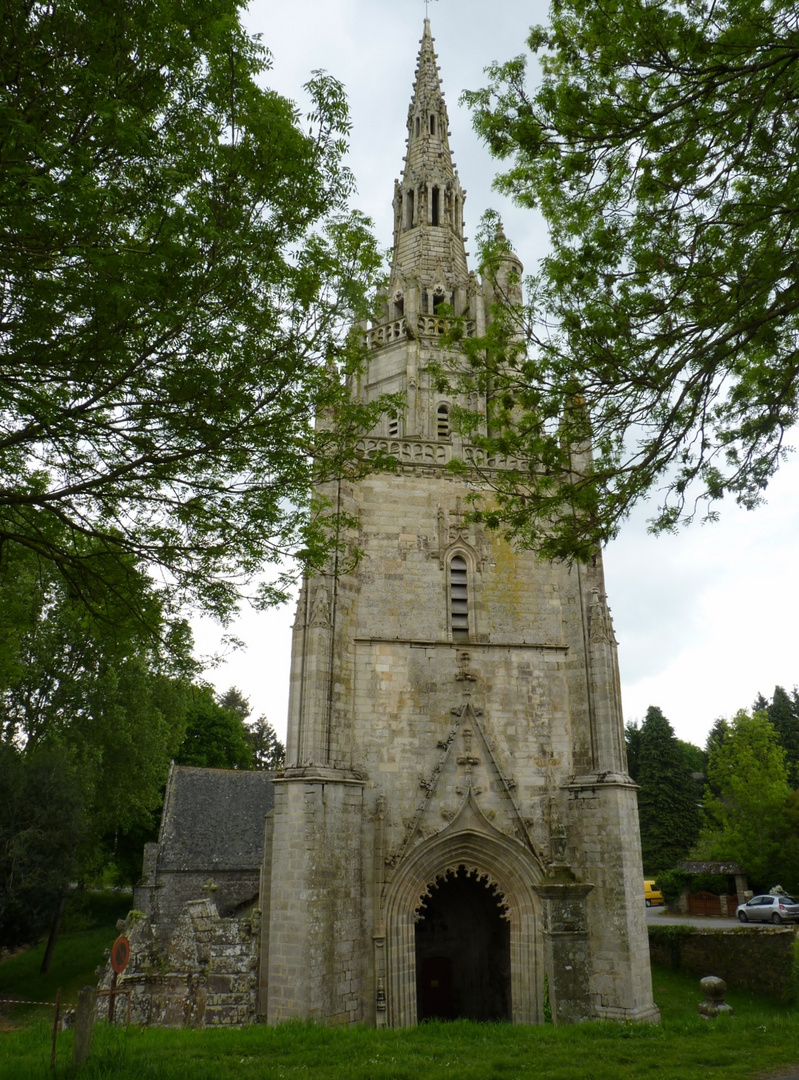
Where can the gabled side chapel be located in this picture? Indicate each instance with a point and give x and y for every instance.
(456, 831)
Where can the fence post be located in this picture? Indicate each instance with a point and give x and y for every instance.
(84, 1026)
(55, 1028)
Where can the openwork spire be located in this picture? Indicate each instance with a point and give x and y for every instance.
(428, 201)
(428, 122)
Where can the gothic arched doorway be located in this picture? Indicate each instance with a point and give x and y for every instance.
(463, 951)
(470, 847)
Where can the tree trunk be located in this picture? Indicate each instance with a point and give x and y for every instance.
(47, 959)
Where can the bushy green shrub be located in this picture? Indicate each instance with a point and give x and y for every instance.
(712, 883)
(672, 884)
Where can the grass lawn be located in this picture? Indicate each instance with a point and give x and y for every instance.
(762, 1036)
(681, 1048)
(88, 929)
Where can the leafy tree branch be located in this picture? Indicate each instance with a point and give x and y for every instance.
(660, 146)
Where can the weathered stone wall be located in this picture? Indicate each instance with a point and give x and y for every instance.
(399, 674)
(762, 960)
(315, 945)
(231, 890)
(206, 975)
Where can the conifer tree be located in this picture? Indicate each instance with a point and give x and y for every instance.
(632, 739)
(268, 752)
(783, 712)
(668, 804)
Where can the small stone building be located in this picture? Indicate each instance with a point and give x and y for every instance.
(210, 843)
(194, 930)
(455, 834)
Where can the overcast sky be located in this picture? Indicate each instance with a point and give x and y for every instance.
(705, 620)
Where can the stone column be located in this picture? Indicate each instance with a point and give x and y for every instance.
(565, 935)
(317, 957)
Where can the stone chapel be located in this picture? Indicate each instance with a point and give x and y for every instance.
(455, 834)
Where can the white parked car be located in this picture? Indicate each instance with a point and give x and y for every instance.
(773, 909)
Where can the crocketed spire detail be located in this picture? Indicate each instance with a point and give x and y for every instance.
(428, 201)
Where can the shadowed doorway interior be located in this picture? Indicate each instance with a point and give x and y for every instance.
(463, 951)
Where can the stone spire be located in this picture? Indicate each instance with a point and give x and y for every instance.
(429, 257)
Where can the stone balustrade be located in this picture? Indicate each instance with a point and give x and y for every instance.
(396, 330)
(432, 326)
(422, 452)
(408, 451)
(427, 326)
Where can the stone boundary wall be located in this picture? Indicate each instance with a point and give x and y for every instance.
(763, 960)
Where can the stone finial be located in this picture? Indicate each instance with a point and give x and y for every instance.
(559, 842)
(558, 868)
(714, 1004)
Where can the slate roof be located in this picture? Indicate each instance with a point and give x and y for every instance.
(214, 819)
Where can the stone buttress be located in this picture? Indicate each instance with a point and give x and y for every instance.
(455, 829)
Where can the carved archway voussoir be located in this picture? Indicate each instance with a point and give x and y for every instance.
(501, 861)
(510, 868)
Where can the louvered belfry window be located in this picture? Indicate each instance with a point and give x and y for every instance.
(458, 598)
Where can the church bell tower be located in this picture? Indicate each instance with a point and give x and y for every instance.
(455, 829)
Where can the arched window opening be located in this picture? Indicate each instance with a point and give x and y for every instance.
(458, 598)
(442, 417)
(432, 124)
(409, 210)
(418, 126)
(434, 207)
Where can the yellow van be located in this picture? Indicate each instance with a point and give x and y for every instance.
(651, 894)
